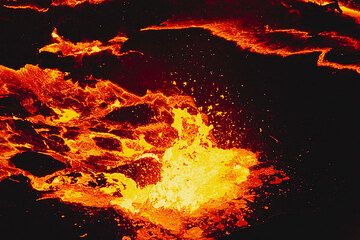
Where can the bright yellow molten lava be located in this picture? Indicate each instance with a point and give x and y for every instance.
(193, 171)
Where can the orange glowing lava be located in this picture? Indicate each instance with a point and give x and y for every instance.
(73, 3)
(54, 3)
(256, 41)
(31, 7)
(152, 158)
(63, 47)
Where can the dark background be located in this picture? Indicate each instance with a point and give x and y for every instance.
(312, 112)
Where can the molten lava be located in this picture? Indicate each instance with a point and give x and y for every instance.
(28, 6)
(152, 158)
(64, 47)
(73, 3)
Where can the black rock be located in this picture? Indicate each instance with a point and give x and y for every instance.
(37, 164)
(140, 114)
(10, 106)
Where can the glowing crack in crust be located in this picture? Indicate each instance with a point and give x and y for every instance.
(260, 41)
(73, 3)
(55, 3)
(165, 172)
(29, 6)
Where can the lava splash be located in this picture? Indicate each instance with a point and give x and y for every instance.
(153, 158)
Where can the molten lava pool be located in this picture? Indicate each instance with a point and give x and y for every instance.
(172, 119)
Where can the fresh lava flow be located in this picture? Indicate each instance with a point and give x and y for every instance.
(152, 158)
